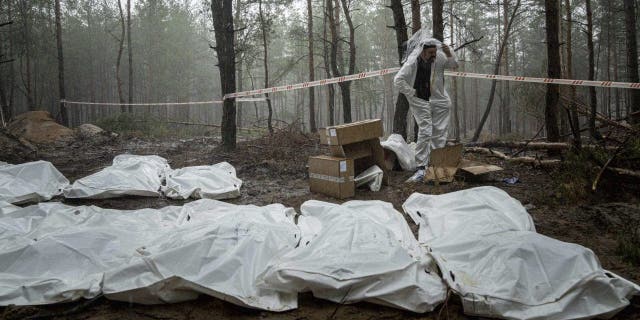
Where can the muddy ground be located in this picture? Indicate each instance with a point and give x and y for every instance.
(273, 170)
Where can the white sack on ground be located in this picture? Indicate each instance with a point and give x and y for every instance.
(52, 253)
(218, 250)
(128, 175)
(6, 207)
(489, 254)
(358, 251)
(30, 182)
(482, 210)
(406, 155)
(216, 182)
(372, 177)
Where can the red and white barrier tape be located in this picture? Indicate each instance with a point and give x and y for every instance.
(369, 74)
(304, 85)
(571, 82)
(67, 102)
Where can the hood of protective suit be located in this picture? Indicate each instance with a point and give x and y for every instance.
(417, 41)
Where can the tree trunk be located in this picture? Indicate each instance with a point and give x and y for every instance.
(312, 97)
(266, 65)
(327, 64)
(402, 104)
(222, 15)
(26, 35)
(61, 93)
(438, 21)
(456, 109)
(506, 101)
(632, 57)
(553, 71)
(593, 98)
(416, 23)
(130, 54)
(239, 63)
(496, 69)
(123, 109)
(573, 120)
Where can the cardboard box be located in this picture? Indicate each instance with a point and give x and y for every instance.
(477, 171)
(332, 176)
(443, 164)
(351, 132)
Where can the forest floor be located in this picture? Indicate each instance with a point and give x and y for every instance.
(273, 170)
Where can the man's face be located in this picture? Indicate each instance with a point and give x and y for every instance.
(428, 54)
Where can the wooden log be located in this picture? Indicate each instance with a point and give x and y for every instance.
(522, 160)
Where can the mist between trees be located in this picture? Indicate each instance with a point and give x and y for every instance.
(167, 51)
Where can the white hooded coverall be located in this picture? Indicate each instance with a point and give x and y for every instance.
(432, 116)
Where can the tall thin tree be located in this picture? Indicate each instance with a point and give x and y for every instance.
(593, 98)
(265, 44)
(573, 119)
(402, 104)
(632, 56)
(119, 59)
(312, 97)
(553, 70)
(61, 92)
(496, 69)
(437, 7)
(222, 15)
(129, 53)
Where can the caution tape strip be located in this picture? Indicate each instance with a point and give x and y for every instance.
(304, 85)
(67, 102)
(571, 82)
(369, 74)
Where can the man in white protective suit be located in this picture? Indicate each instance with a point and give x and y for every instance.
(421, 80)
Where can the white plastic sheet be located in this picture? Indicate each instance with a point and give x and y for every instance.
(52, 253)
(483, 210)
(372, 177)
(406, 155)
(128, 175)
(358, 251)
(6, 207)
(217, 181)
(489, 253)
(30, 182)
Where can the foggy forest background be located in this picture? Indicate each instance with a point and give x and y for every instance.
(150, 51)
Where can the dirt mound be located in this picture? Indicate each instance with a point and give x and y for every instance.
(15, 150)
(39, 127)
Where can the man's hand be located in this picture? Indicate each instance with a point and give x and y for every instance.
(446, 50)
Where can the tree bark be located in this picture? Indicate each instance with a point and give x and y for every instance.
(123, 109)
(438, 22)
(222, 16)
(416, 23)
(496, 69)
(266, 65)
(632, 56)
(312, 97)
(61, 93)
(593, 98)
(327, 64)
(506, 100)
(402, 104)
(26, 35)
(574, 121)
(130, 54)
(553, 70)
